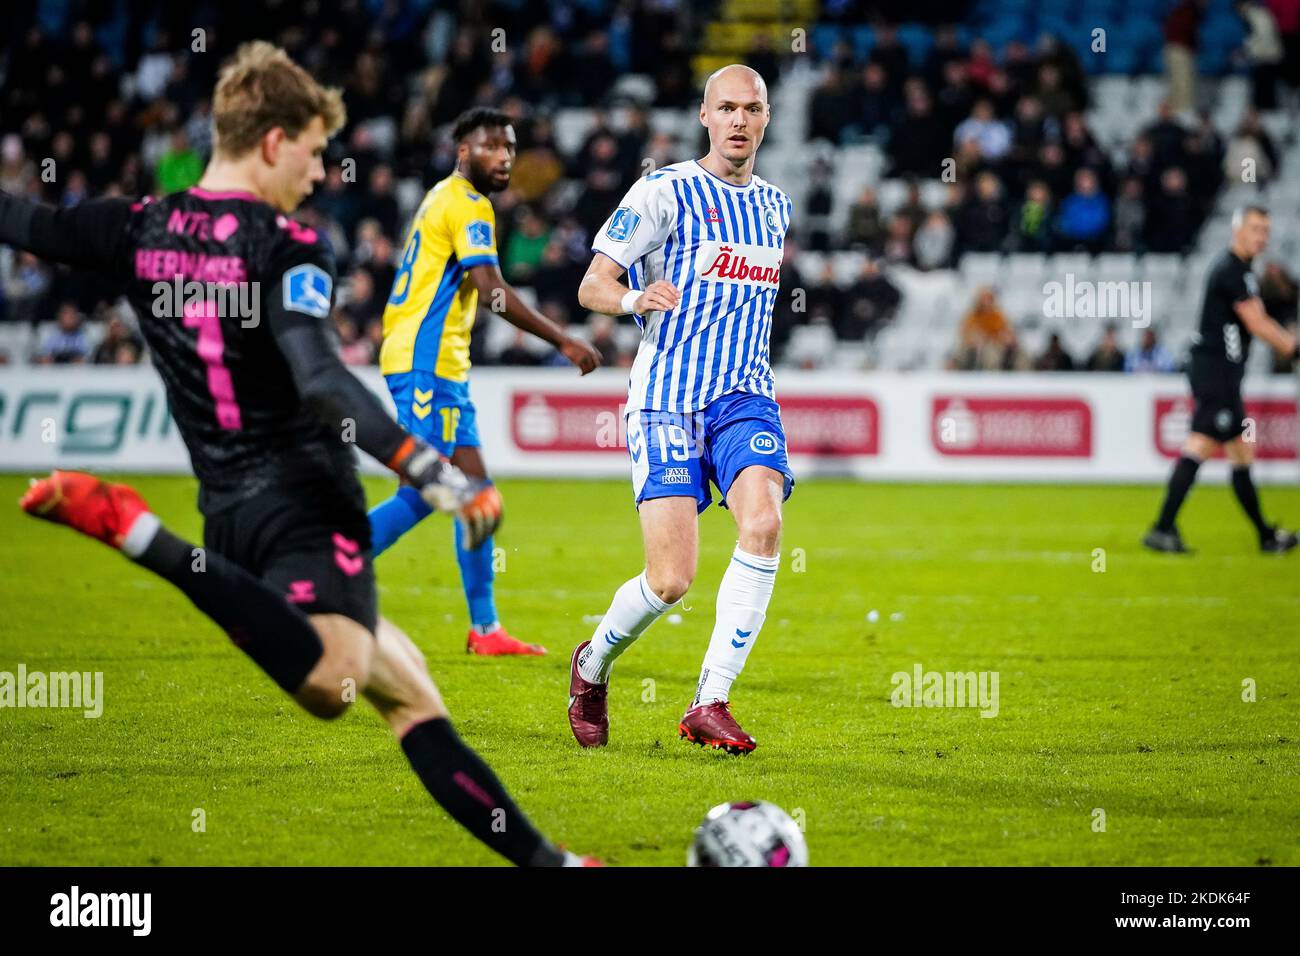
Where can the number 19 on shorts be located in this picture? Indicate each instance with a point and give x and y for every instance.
(674, 444)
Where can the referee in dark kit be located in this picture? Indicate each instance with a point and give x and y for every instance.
(1231, 315)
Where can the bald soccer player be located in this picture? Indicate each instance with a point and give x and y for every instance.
(701, 244)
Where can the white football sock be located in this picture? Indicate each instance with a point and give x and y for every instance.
(743, 596)
(635, 608)
(141, 534)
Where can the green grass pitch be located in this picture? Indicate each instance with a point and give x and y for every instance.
(1121, 691)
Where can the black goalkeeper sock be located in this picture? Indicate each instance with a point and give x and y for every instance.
(1180, 482)
(1249, 498)
(261, 623)
(467, 789)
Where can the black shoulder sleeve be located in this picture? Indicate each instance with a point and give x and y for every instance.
(87, 234)
(296, 301)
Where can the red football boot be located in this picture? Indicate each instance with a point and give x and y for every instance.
(498, 643)
(712, 725)
(84, 503)
(588, 707)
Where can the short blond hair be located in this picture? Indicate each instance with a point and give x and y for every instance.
(261, 88)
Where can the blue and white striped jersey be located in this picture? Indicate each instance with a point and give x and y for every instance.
(721, 245)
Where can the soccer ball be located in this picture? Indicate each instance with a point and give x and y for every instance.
(747, 834)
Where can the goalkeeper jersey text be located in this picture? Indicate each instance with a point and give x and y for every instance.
(721, 245)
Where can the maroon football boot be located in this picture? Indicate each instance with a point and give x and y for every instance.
(712, 725)
(588, 709)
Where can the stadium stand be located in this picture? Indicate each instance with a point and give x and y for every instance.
(927, 159)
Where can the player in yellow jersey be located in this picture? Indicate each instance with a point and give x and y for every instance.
(449, 260)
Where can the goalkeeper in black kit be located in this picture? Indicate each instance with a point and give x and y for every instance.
(267, 410)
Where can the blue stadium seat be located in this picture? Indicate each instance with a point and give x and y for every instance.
(824, 38)
(917, 39)
(863, 39)
(1122, 58)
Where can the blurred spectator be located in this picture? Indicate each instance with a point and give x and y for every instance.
(353, 349)
(523, 252)
(375, 253)
(1054, 358)
(66, 344)
(870, 303)
(378, 202)
(362, 303)
(538, 165)
(985, 320)
(26, 288)
(375, 336)
(1181, 28)
(763, 58)
(878, 103)
(154, 69)
(1085, 214)
(1288, 24)
(898, 241)
(985, 337)
(866, 228)
(557, 276)
(887, 52)
(1142, 164)
(791, 300)
(831, 102)
(673, 74)
(825, 299)
(955, 98)
(1250, 148)
(1107, 356)
(817, 207)
(1166, 135)
(601, 329)
(1261, 51)
(913, 208)
(1032, 228)
(1149, 356)
(1056, 98)
(517, 352)
(101, 164)
(116, 335)
(15, 168)
(602, 184)
(933, 244)
(1030, 130)
(592, 65)
(1130, 217)
(180, 167)
(982, 221)
(1203, 152)
(1172, 219)
(339, 200)
(127, 353)
(986, 131)
(1054, 169)
(918, 141)
(1081, 147)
